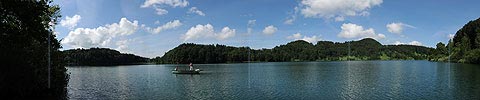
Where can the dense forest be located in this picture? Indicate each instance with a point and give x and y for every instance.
(26, 37)
(100, 57)
(365, 49)
(464, 48)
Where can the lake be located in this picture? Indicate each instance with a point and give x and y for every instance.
(280, 80)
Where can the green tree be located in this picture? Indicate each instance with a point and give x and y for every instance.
(477, 39)
(441, 49)
(463, 47)
(26, 26)
(473, 56)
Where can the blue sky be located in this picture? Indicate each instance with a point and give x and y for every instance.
(152, 27)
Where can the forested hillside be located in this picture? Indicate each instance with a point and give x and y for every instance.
(465, 46)
(365, 49)
(100, 57)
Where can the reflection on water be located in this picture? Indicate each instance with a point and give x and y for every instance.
(282, 80)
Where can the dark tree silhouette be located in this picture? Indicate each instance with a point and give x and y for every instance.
(101, 57)
(26, 26)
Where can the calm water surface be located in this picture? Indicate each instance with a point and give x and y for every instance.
(281, 80)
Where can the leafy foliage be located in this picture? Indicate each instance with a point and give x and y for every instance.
(26, 26)
(100, 57)
(365, 49)
(473, 56)
(463, 48)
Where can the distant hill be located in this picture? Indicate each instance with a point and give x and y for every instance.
(101, 57)
(365, 49)
(465, 47)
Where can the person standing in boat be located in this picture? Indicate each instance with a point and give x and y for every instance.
(191, 66)
(176, 67)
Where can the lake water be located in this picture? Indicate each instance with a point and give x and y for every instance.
(281, 80)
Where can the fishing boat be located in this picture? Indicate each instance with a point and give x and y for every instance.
(186, 71)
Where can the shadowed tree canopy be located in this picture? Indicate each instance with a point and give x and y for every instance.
(365, 49)
(101, 57)
(26, 26)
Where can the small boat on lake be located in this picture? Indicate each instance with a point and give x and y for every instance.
(186, 71)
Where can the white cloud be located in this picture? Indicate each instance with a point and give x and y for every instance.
(250, 24)
(70, 22)
(410, 43)
(158, 4)
(122, 46)
(298, 36)
(269, 30)
(292, 17)
(350, 30)
(199, 31)
(173, 3)
(336, 8)
(170, 25)
(196, 11)
(207, 31)
(289, 21)
(339, 18)
(100, 36)
(450, 36)
(295, 36)
(160, 11)
(225, 33)
(312, 39)
(397, 28)
(415, 43)
(398, 43)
